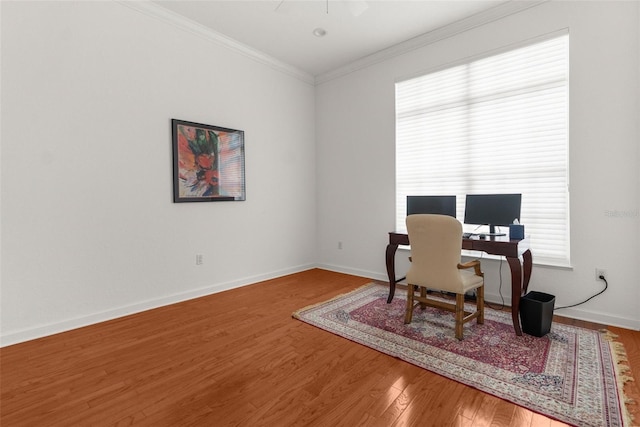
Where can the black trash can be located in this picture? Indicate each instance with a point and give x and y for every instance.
(536, 313)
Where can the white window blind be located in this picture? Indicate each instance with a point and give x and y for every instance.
(494, 125)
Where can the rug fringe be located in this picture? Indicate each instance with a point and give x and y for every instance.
(296, 314)
(623, 373)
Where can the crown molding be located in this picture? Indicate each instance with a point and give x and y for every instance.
(168, 17)
(498, 12)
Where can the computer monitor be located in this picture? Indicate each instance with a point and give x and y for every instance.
(442, 205)
(492, 210)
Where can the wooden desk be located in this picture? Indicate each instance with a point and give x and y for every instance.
(499, 245)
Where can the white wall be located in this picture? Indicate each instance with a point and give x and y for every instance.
(89, 229)
(356, 167)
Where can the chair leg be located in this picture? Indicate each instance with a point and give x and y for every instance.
(409, 311)
(459, 315)
(480, 303)
(423, 295)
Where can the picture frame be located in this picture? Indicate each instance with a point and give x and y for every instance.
(208, 163)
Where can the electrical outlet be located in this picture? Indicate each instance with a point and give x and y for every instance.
(199, 259)
(601, 272)
(339, 245)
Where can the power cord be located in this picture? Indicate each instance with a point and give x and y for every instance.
(606, 285)
(499, 290)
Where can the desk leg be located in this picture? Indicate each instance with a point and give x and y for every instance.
(516, 291)
(391, 270)
(527, 266)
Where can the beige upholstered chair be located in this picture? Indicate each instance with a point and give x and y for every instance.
(436, 243)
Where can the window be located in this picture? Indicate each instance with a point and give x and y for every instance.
(498, 124)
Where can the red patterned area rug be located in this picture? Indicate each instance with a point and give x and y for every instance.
(572, 374)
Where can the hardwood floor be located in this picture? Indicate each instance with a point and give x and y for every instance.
(237, 358)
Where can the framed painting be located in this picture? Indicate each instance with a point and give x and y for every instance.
(208, 163)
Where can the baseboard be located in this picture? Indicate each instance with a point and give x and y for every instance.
(70, 324)
(354, 272)
(603, 319)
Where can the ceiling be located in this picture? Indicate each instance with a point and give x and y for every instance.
(355, 29)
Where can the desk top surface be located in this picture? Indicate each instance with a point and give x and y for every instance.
(496, 245)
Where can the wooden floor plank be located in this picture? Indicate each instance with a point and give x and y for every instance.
(504, 414)
(238, 358)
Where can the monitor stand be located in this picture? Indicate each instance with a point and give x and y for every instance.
(492, 231)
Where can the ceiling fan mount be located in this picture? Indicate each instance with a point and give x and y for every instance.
(355, 7)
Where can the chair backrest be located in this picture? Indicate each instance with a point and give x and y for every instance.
(436, 243)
